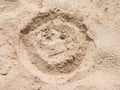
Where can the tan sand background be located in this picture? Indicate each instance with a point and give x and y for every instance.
(100, 68)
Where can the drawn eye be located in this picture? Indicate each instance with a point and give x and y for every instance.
(62, 36)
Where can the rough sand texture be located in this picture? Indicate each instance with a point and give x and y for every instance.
(59, 45)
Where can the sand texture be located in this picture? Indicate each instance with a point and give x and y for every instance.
(59, 45)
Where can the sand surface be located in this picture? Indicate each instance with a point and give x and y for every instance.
(59, 45)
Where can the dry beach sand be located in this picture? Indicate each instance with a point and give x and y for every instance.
(59, 45)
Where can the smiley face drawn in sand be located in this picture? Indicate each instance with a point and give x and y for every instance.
(55, 42)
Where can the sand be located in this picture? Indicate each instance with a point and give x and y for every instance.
(59, 45)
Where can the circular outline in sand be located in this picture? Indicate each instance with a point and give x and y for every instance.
(53, 79)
